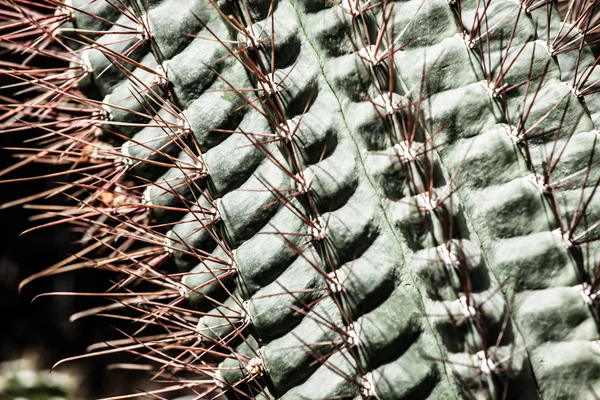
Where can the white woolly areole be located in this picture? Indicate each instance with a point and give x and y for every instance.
(183, 290)
(468, 311)
(448, 257)
(233, 261)
(183, 123)
(252, 39)
(464, 36)
(548, 47)
(565, 236)
(106, 107)
(515, 135)
(538, 182)
(160, 72)
(371, 54)
(256, 366)
(575, 90)
(585, 291)
(404, 151)
(486, 365)
(492, 90)
(84, 60)
(354, 7)
(269, 84)
(147, 196)
(386, 100)
(287, 131)
(66, 10)
(304, 181)
(202, 170)
(168, 242)
(353, 333)
(318, 229)
(126, 155)
(334, 283)
(429, 204)
(141, 33)
(63, 14)
(247, 317)
(126, 158)
(368, 387)
(216, 210)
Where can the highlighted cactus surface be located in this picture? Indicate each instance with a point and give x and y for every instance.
(315, 199)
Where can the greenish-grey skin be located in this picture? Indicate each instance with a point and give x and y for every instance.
(19, 380)
(523, 329)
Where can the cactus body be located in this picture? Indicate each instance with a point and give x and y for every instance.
(391, 200)
(19, 379)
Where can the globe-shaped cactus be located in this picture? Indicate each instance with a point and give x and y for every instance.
(313, 199)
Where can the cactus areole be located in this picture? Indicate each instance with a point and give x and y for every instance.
(334, 199)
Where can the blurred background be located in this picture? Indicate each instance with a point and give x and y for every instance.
(41, 331)
(39, 334)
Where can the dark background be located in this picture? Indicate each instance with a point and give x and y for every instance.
(41, 330)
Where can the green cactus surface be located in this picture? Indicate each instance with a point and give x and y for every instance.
(20, 380)
(339, 199)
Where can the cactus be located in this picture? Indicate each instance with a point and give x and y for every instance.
(309, 199)
(19, 379)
